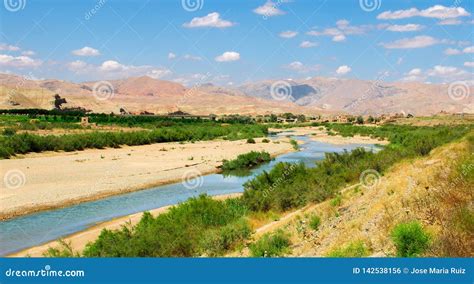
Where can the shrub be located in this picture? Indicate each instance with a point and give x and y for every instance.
(294, 143)
(336, 201)
(250, 141)
(265, 140)
(218, 241)
(246, 161)
(354, 249)
(314, 222)
(410, 239)
(9, 131)
(270, 245)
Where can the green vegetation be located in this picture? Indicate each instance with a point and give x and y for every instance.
(25, 142)
(294, 143)
(336, 201)
(271, 245)
(250, 141)
(354, 249)
(410, 239)
(246, 161)
(189, 229)
(314, 222)
(265, 140)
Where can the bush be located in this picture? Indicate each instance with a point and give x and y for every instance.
(9, 131)
(265, 140)
(294, 143)
(354, 249)
(217, 242)
(250, 141)
(410, 239)
(246, 161)
(270, 245)
(314, 222)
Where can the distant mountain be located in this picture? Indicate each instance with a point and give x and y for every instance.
(369, 97)
(310, 96)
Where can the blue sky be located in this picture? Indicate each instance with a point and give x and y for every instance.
(232, 42)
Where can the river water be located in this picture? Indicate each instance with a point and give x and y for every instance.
(35, 229)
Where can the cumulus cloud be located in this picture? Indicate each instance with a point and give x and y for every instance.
(269, 9)
(437, 12)
(307, 44)
(8, 47)
(288, 34)
(469, 49)
(414, 42)
(192, 57)
(228, 56)
(342, 70)
(19, 61)
(415, 74)
(452, 51)
(439, 72)
(340, 32)
(450, 22)
(212, 20)
(112, 69)
(300, 67)
(171, 55)
(405, 28)
(86, 51)
(469, 64)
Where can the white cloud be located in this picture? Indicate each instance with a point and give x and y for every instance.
(86, 51)
(341, 31)
(212, 20)
(446, 72)
(7, 47)
(18, 61)
(450, 22)
(228, 56)
(405, 28)
(440, 73)
(288, 34)
(307, 44)
(192, 57)
(413, 75)
(339, 38)
(414, 42)
(437, 11)
(300, 67)
(452, 51)
(112, 69)
(469, 64)
(171, 55)
(469, 49)
(269, 9)
(342, 70)
(28, 53)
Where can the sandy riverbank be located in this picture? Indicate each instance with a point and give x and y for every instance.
(316, 134)
(54, 180)
(79, 240)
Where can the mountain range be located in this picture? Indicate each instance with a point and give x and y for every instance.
(316, 95)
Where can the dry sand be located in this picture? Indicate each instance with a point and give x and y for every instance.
(53, 180)
(79, 240)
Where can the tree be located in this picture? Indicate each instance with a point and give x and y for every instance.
(360, 120)
(58, 101)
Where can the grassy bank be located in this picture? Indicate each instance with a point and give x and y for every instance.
(246, 161)
(26, 142)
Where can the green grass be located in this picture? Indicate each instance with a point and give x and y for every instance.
(294, 143)
(246, 161)
(314, 222)
(354, 249)
(271, 245)
(410, 239)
